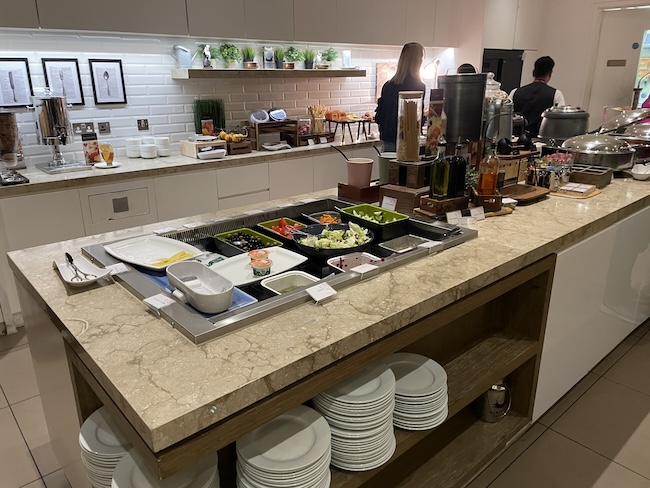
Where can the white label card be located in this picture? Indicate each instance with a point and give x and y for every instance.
(364, 268)
(193, 225)
(164, 230)
(453, 217)
(219, 219)
(308, 200)
(389, 203)
(478, 213)
(158, 301)
(323, 140)
(321, 291)
(117, 268)
(310, 142)
(253, 212)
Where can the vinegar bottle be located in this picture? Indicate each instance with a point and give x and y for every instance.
(487, 173)
(457, 169)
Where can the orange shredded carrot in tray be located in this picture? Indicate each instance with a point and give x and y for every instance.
(328, 219)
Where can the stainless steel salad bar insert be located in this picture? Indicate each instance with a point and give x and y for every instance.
(200, 328)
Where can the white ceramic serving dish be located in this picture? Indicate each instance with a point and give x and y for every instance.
(640, 172)
(145, 251)
(201, 287)
(289, 281)
(237, 268)
(67, 271)
(348, 261)
(214, 154)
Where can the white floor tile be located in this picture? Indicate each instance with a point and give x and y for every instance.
(56, 480)
(17, 376)
(35, 484)
(31, 421)
(13, 340)
(3, 400)
(17, 467)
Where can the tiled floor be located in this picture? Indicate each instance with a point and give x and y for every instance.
(596, 436)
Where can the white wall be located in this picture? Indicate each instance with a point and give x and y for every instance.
(167, 103)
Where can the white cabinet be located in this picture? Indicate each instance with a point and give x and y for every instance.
(146, 16)
(243, 200)
(117, 206)
(601, 293)
(186, 194)
(447, 25)
(314, 21)
(329, 170)
(216, 18)
(370, 22)
(499, 24)
(241, 180)
(290, 177)
(419, 27)
(529, 27)
(21, 13)
(269, 19)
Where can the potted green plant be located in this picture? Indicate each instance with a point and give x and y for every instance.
(328, 56)
(248, 53)
(278, 56)
(310, 56)
(293, 55)
(229, 54)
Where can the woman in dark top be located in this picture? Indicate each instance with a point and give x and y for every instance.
(407, 78)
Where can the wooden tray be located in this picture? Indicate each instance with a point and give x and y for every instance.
(597, 191)
(524, 193)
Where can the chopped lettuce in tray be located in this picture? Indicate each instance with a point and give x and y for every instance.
(337, 239)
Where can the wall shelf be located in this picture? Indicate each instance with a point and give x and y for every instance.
(188, 74)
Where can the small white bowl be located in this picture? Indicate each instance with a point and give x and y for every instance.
(640, 176)
(148, 151)
(163, 151)
(133, 141)
(148, 140)
(214, 154)
(161, 141)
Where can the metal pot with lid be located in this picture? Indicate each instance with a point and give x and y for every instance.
(638, 136)
(600, 150)
(563, 122)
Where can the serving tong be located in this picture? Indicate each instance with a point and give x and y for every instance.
(78, 274)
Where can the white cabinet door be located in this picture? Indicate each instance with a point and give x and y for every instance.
(241, 180)
(597, 288)
(447, 23)
(216, 18)
(291, 177)
(243, 200)
(269, 19)
(22, 13)
(186, 194)
(329, 170)
(314, 21)
(499, 25)
(106, 208)
(148, 16)
(419, 21)
(370, 22)
(529, 28)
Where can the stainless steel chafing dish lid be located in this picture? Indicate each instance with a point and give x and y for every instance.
(597, 144)
(638, 131)
(625, 118)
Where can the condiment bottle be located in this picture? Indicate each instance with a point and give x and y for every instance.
(440, 171)
(436, 121)
(457, 169)
(487, 173)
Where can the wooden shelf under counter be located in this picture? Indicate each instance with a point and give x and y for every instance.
(189, 74)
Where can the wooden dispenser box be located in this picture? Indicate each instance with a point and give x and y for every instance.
(191, 148)
(431, 206)
(412, 175)
(368, 194)
(490, 203)
(407, 198)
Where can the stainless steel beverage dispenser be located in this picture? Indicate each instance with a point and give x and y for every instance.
(54, 129)
(464, 99)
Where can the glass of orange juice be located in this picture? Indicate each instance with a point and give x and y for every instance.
(107, 153)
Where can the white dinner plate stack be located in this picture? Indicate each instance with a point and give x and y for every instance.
(360, 413)
(133, 147)
(131, 473)
(102, 447)
(420, 391)
(292, 450)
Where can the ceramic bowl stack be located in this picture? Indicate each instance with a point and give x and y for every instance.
(148, 151)
(420, 391)
(360, 413)
(163, 146)
(133, 147)
(292, 450)
(102, 448)
(131, 473)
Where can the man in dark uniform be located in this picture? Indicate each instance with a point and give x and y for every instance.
(532, 99)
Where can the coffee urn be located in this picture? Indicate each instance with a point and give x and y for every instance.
(464, 99)
(54, 129)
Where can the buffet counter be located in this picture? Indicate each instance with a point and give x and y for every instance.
(479, 308)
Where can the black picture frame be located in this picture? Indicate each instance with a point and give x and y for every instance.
(15, 82)
(62, 76)
(108, 81)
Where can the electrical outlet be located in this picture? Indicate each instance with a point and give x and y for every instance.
(143, 124)
(104, 127)
(83, 128)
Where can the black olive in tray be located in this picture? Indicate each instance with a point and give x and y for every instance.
(242, 240)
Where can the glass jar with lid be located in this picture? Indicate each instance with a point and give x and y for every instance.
(409, 127)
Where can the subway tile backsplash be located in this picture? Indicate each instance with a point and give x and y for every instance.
(167, 103)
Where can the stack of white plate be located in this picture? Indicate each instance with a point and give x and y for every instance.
(133, 147)
(420, 392)
(102, 447)
(292, 450)
(163, 146)
(360, 413)
(148, 151)
(130, 473)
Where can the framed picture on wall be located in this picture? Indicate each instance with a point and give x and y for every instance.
(107, 80)
(63, 78)
(15, 84)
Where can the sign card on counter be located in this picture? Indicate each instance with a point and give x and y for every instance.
(321, 292)
(389, 203)
(454, 217)
(477, 212)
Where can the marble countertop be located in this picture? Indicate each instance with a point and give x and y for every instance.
(170, 389)
(40, 181)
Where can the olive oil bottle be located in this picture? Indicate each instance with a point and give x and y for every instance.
(457, 170)
(440, 171)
